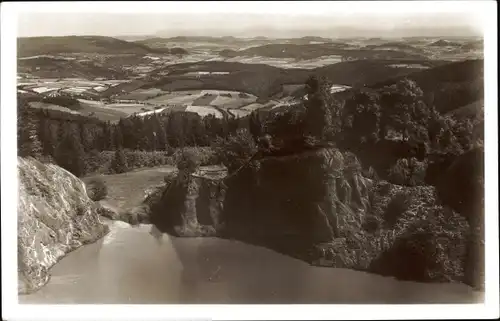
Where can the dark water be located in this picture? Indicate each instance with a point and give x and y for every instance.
(130, 265)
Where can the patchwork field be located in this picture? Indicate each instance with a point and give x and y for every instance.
(67, 85)
(287, 62)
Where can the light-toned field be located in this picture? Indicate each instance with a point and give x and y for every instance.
(105, 112)
(141, 94)
(128, 189)
(408, 66)
(39, 104)
(286, 62)
(67, 85)
(238, 113)
(176, 97)
(206, 99)
(204, 111)
(252, 107)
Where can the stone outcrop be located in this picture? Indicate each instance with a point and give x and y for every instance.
(190, 204)
(55, 216)
(317, 206)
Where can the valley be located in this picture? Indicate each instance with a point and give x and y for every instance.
(113, 78)
(309, 152)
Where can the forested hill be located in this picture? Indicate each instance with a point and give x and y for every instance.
(32, 46)
(450, 86)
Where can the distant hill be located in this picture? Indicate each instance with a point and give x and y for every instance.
(445, 43)
(473, 45)
(266, 81)
(257, 79)
(453, 85)
(394, 45)
(53, 67)
(471, 111)
(311, 51)
(83, 44)
(365, 73)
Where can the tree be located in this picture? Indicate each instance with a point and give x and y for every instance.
(402, 103)
(45, 134)
(255, 125)
(85, 136)
(119, 162)
(318, 115)
(235, 150)
(70, 154)
(27, 132)
(117, 138)
(362, 118)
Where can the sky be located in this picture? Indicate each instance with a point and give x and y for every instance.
(219, 21)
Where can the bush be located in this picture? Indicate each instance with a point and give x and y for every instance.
(96, 188)
(206, 155)
(371, 223)
(351, 163)
(398, 204)
(188, 161)
(410, 173)
(236, 150)
(399, 173)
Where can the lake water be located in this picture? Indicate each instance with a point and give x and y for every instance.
(135, 265)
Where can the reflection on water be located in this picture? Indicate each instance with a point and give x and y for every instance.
(142, 265)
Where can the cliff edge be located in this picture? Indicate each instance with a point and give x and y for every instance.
(317, 206)
(55, 216)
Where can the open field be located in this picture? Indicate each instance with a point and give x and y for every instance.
(39, 104)
(141, 94)
(127, 190)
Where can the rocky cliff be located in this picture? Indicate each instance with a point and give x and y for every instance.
(55, 216)
(317, 206)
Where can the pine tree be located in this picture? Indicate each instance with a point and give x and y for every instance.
(70, 154)
(161, 136)
(117, 141)
(119, 162)
(27, 132)
(85, 137)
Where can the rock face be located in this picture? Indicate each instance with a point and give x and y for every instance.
(317, 206)
(462, 187)
(190, 204)
(55, 216)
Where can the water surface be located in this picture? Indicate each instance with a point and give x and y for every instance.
(138, 265)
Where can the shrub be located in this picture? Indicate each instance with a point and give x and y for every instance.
(188, 161)
(96, 188)
(371, 223)
(428, 245)
(411, 173)
(351, 163)
(398, 204)
(399, 172)
(236, 150)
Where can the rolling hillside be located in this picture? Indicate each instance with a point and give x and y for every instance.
(311, 51)
(77, 44)
(265, 81)
(453, 85)
(54, 67)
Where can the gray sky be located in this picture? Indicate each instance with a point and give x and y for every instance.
(239, 24)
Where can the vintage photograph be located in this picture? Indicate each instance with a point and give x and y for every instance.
(250, 158)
